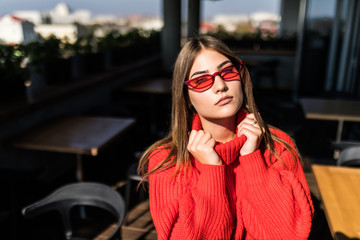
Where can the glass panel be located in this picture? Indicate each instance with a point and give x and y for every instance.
(318, 25)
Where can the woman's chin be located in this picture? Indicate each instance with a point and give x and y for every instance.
(228, 111)
(221, 114)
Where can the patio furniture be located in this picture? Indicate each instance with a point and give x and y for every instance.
(332, 109)
(133, 176)
(349, 157)
(80, 194)
(75, 135)
(340, 194)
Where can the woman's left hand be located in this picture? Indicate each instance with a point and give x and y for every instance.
(251, 129)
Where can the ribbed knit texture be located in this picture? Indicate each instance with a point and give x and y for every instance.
(248, 197)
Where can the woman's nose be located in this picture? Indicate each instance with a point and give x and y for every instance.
(219, 84)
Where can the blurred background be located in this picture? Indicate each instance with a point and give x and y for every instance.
(113, 60)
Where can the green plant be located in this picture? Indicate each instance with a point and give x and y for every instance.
(13, 71)
(44, 50)
(112, 40)
(12, 63)
(83, 45)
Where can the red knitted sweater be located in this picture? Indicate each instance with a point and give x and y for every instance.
(248, 197)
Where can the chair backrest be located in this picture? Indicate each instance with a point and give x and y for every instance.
(80, 194)
(349, 157)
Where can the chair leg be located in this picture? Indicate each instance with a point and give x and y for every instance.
(127, 200)
(65, 215)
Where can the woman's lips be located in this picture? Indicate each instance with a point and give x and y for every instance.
(223, 101)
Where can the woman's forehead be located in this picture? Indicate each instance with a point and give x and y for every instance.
(208, 59)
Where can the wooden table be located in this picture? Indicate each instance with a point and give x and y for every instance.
(332, 109)
(340, 192)
(77, 135)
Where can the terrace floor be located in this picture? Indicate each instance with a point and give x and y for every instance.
(276, 107)
(141, 227)
(312, 139)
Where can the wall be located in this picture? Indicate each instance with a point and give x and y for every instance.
(284, 70)
(64, 102)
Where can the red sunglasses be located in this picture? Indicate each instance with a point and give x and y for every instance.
(204, 82)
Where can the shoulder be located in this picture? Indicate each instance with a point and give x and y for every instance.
(282, 135)
(288, 154)
(158, 155)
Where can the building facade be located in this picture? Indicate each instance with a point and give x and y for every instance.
(14, 30)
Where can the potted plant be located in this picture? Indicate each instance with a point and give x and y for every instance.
(13, 72)
(112, 46)
(46, 59)
(84, 56)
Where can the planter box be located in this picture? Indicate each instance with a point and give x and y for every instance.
(58, 71)
(11, 88)
(94, 63)
(78, 68)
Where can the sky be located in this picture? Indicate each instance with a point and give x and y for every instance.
(123, 8)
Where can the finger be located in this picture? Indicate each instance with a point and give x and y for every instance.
(191, 137)
(205, 138)
(253, 130)
(211, 142)
(250, 116)
(248, 119)
(250, 135)
(203, 142)
(251, 126)
(197, 138)
(251, 121)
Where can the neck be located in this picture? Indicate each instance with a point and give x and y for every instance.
(222, 130)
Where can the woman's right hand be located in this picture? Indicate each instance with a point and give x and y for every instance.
(201, 146)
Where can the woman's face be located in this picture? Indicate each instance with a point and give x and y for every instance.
(224, 98)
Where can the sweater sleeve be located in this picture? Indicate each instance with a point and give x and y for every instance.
(276, 199)
(193, 206)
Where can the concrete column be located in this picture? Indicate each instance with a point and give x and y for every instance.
(171, 34)
(289, 11)
(193, 18)
(303, 5)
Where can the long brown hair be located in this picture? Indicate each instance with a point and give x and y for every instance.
(182, 113)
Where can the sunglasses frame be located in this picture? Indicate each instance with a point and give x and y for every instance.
(188, 82)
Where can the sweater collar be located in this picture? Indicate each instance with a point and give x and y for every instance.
(228, 151)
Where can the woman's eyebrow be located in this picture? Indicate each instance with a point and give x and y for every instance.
(206, 71)
(199, 72)
(222, 64)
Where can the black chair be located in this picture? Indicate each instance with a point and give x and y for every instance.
(344, 144)
(132, 175)
(80, 194)
(349, 157)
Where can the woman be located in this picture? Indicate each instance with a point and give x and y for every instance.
(222, 172)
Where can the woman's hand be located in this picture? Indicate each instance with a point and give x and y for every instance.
(250, 128)
(201, 146)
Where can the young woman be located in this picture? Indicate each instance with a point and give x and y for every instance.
(222, 172)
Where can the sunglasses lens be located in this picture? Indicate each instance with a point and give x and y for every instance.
(201, 83)
(205, 82)
(230, 73)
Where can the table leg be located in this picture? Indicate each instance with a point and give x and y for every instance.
(80, 178)
(338, 137)
(79, 172)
